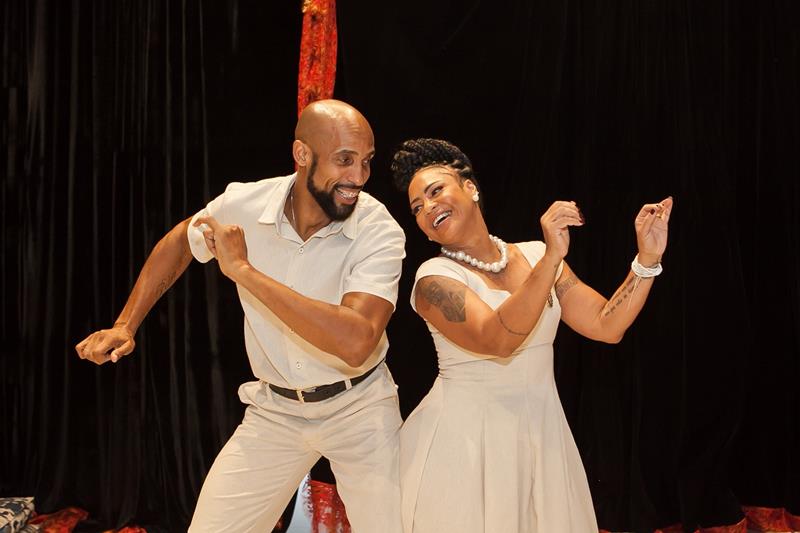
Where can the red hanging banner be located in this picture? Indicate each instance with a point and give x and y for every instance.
(317, 73)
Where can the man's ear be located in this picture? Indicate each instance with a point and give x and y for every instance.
(301, 153)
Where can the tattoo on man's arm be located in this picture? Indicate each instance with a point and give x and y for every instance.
(620, 296)
(165, 284)
(564, 286)
(449, 300)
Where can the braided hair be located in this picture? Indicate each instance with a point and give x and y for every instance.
(416, 154)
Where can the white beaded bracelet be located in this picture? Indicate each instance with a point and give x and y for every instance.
(645, 272)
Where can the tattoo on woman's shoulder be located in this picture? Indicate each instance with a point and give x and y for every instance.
(448, 297)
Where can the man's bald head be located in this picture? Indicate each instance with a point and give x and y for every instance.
(320, 120)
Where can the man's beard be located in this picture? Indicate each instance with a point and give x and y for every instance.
(325, 199)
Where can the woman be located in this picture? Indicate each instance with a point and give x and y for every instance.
(489, 449)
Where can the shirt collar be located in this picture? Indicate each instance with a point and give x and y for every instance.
(349, 226)
(276, 200)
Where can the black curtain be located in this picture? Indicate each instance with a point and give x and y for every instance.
(120, 119)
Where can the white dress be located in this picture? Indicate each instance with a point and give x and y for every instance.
(488, 450)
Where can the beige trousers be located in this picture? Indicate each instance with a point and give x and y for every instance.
(279, 440)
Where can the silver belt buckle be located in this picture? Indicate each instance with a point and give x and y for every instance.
(301, 391)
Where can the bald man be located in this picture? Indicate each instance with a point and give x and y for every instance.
(316, 262)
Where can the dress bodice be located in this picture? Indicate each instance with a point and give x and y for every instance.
(457, 362)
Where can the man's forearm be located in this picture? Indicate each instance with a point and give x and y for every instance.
(168, 260)
(336, 329)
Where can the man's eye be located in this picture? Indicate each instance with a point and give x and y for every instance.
(415, 210)
(436, 190)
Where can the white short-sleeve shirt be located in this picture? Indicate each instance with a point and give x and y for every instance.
(363, 253)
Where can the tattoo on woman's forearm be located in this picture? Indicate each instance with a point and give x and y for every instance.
(508, 329)
(450, 301)
(620, 296)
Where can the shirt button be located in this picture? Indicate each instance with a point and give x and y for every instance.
(301, 250)
(299, 364)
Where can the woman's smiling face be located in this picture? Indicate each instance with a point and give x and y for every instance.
(440, 202)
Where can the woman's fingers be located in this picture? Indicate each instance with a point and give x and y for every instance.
(562, 209)
(555, 224)
(561, 206)
(567, 220)
(660, 209)
(648, 209)
(649, 219)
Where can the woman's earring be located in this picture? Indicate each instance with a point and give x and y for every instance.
(475, 197)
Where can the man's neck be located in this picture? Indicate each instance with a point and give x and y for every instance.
(306, 216)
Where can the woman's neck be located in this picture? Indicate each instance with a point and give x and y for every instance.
(477, 244)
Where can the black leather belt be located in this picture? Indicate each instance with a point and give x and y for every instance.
(321, 392)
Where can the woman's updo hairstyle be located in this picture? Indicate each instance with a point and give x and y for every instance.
(416, 154)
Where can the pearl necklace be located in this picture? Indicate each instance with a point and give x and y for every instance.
(495, 267)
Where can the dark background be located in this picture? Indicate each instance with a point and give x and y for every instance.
(120, 119)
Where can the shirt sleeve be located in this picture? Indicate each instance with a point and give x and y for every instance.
(437, 266)
(377, 271)
(195, 234)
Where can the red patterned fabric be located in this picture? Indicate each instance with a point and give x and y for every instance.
(741, 527)
(756, 519)
(765, 519)
(793, 521)
(326, 508)
(63, 521)
(317, 72)
(771, 519)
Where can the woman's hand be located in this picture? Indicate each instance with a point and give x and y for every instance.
(652, 225)
(555, 226)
